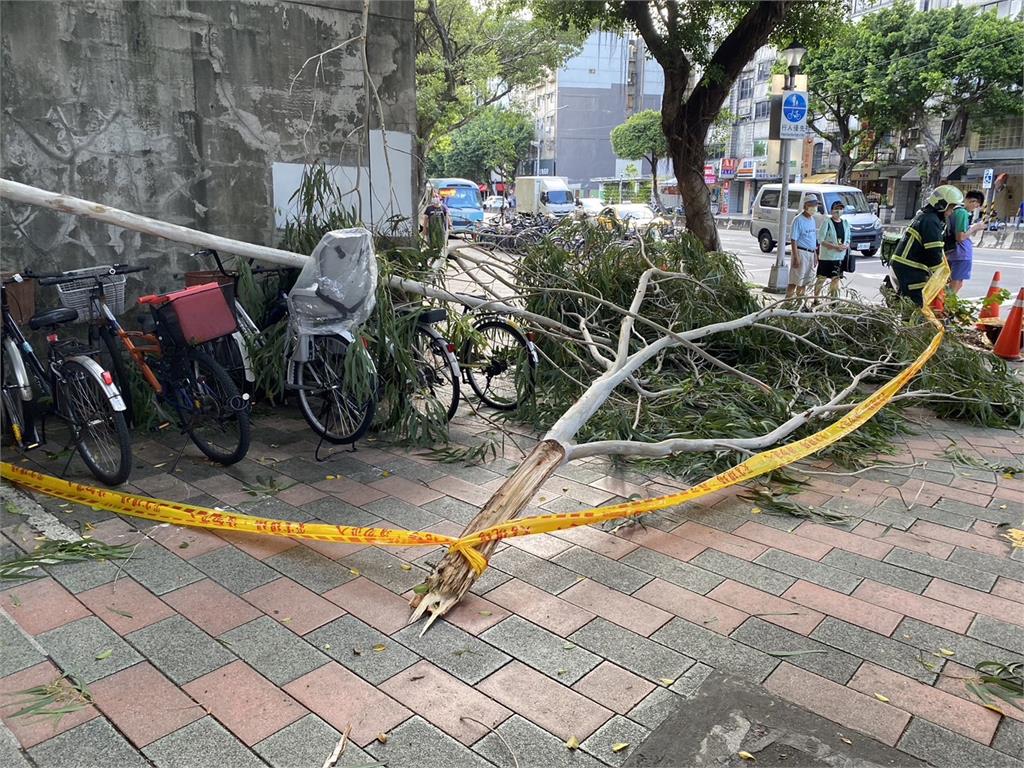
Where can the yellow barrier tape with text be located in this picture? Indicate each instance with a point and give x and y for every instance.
(184, 514)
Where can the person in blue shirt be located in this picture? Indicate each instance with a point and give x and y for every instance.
(804, 241)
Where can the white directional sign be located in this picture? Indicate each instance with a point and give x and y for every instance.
(794, 115)
(986, 182)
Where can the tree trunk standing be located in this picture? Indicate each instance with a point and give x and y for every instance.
(688, 162)
(653, 160)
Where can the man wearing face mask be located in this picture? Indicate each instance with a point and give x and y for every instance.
(804, 240)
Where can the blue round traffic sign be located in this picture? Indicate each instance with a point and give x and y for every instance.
(794, 107)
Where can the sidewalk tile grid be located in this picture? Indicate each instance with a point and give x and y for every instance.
(213, 649)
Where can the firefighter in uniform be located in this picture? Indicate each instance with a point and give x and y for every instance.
(920, 251)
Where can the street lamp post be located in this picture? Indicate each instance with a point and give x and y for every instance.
(779, 277)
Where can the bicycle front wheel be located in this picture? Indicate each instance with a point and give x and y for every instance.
(326, 403)
(499, 364)
(100, 432)
(12, 428)
(214, 414)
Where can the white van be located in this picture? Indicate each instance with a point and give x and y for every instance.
(865, 227)
(544, 196)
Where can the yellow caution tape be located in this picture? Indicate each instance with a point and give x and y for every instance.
(185, 514)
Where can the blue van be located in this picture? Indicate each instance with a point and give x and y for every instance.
(462, 197)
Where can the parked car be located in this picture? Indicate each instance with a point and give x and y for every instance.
(592, 206)
(495, 203)
(635, 217)
(865, 226)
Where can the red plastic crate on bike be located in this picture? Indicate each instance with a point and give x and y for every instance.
(194, 315)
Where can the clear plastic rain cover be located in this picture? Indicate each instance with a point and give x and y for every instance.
(336, 290)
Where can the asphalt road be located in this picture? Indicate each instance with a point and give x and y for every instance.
(870, 272)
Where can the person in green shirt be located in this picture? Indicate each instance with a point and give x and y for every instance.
(833, 245)
(957, 243)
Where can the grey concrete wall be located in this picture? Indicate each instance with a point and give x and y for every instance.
(178, 109)
(586, 117)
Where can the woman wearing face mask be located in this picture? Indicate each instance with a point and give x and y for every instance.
(834, 242)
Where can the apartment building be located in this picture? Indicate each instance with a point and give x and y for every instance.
(575, 109)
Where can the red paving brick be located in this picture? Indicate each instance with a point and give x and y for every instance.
(922, 608)
(1011, 590)
(970, 720)
(702, 611)
(186, 542)
(910, 541)
(300, 494)
(343, 700)
(844, 607)
(208, 605)
(125, 605)
(998, 548)
(245, 702)
(596, 540)
(41, 605)
(543, 609)
(787, 542)
(838, 703)
(143, 704)
(406, 490)
(284, 599)
(473, 614)
(259, 546)
(619, 487)
(30, 731)
(843, 540)
(461, 490)
(762, 604)
(660, 541)
(379, 607)
(973, 600)
(541, 700)
(613, 687)
(719, 540)
(626, 611)
(443, 700)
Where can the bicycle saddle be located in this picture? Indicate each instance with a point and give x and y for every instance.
(52, 317)
(427, 316)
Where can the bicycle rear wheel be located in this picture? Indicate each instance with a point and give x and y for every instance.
(100, 432)
(214, 414)
(437, 372)
(328, 406)
(499, 364)
(112, 360)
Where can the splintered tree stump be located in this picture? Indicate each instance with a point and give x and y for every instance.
(454, 576)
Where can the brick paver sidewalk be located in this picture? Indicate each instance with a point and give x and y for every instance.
(232, 650)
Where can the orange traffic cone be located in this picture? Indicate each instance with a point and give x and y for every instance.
(1008, 344)
(991, 310)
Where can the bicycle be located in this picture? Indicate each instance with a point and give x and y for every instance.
(80, 391)
(202, 398)
(315, 364)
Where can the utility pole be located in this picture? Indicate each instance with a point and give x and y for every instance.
(783, 111)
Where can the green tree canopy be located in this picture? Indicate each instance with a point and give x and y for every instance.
(471, 54)
(641, 138)
(709, 41)
(899, 68)
(497, 139)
